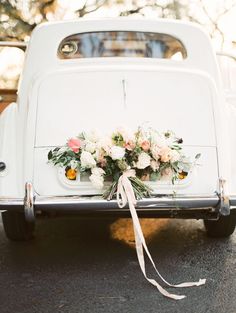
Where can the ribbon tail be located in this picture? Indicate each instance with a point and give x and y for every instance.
(191, 284)
(125, 193)
(140, 233)
(140, 255)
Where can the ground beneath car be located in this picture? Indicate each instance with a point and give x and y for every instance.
(90, 265)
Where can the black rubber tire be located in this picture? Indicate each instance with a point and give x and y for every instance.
(16, 227)
(221, 228)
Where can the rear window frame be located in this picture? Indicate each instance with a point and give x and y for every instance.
(180, 48)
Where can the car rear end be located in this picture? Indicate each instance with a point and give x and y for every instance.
(157, 80)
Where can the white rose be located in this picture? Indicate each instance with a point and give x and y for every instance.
(143, 160)
(90, 147)
(87, 159)
(117, 153)
(159, 141)
(97, 171)
(97, 181)
(174, 156)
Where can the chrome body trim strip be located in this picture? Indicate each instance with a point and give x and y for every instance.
(197, 206)
(178, 202)
(147, 203)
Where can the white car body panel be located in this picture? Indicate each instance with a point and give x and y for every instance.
(184, 96)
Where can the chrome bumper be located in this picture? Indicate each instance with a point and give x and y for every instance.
(209, 207)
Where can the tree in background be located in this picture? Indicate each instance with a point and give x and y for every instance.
(197, 11)
(19, 17)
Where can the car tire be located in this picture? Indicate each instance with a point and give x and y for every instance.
(16, 227)
(223, 227)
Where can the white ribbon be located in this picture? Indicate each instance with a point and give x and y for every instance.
(125, 194)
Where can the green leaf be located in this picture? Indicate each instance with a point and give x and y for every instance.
(50, 155)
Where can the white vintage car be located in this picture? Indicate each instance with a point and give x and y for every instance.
(104, 73)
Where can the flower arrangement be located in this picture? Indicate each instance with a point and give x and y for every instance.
(148, 154)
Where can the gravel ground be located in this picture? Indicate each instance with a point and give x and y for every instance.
(89, 265)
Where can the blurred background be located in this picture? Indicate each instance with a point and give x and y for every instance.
(19, 17)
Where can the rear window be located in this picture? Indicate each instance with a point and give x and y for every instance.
(121, 44)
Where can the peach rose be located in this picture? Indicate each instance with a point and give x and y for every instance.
(130, 145)
(145, 145)
(165, 154)
(167, 174)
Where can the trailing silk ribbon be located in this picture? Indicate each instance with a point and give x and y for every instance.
(125, 194)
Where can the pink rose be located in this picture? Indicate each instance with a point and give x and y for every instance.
(74, 144)
(145, 145)
(130, 145)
